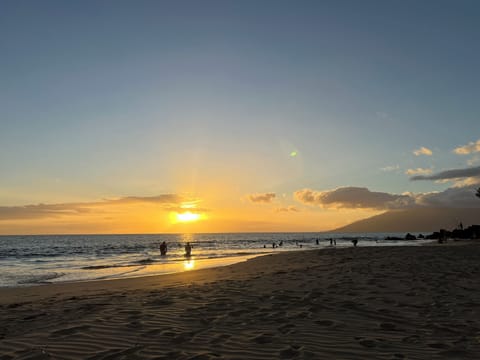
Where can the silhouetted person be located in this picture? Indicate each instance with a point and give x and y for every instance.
(354, 242)
(188, 250)
(163, 249)
(280, 243)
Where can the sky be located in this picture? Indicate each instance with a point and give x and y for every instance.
(233, 116)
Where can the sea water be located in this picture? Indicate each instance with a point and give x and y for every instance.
(40, 259)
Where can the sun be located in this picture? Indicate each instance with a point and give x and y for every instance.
(187, 216)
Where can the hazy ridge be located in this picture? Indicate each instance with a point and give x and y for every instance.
(415, 220)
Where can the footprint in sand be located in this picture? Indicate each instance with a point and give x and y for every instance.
(220, 338)
(263, 338)
(291, 352)
(325, 322)
(388, 326)
(367, 343)
(439, 346)
(413, 339)
(69, 331)
(286, 329)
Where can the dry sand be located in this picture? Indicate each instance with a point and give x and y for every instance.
(355, 303)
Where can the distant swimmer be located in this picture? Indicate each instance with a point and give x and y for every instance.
(163, 249)
(188, 250)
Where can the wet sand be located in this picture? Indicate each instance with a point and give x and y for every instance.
(355, 303)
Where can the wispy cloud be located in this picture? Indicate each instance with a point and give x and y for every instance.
(423, 151)
(471, 147)
(39, 211)
(450, 174)
(264, 198)
(290, 208)
(390, 168)
(473, 161)
(419, 171)
(353, 197)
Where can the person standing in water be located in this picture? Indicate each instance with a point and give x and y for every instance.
(188, 250)
(163, 249)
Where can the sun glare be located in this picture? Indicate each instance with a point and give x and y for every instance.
(187, 217)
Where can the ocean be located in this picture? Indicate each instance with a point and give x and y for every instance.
(27, 260)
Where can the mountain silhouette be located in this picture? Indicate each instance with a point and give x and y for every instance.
(415, 220)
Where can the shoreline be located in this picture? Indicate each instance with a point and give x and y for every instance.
(121, 267)
(7, 291)
(410, 302)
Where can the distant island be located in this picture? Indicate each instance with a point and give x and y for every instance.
(420, 220)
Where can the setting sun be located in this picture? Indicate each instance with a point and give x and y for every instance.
(187, 217)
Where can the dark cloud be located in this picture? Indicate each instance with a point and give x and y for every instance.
(265, 198)
(39, 211)
(450, 174)
(353, 197)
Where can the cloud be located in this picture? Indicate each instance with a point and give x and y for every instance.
(458, 197)
(461, 195)
(39, 211)
(423, 151)
(418, 171)
(471, 147)
(42, 211)
(473, 161)
(290, 208)
(159, 199)
(450, 174)
(354, 198)
(265, 198)
(390, 168)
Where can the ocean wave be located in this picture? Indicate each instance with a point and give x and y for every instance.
(39, 278)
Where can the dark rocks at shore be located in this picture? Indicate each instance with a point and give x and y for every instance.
(410, 237)
(471, 232)
(407, 237)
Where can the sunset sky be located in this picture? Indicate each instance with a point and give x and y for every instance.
(123, 116)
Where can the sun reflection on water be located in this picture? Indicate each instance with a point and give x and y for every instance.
(189, 264)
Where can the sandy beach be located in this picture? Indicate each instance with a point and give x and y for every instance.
(355, 303)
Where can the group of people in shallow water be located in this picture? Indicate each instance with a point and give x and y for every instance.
(164, 248)
(333, 242)
(188, 247)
